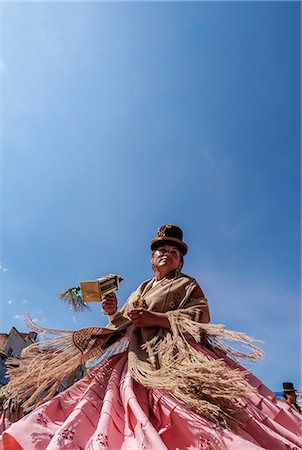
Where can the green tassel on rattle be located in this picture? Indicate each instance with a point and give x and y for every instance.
(73, 297)
(92, 291)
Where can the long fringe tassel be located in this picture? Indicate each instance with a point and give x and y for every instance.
(208, 387)
(36, 377)
(44, 365)
(217, 336)
(116, 348)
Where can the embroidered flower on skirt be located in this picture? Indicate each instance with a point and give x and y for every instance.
(41, 419)
(67, 434)
(102, 439)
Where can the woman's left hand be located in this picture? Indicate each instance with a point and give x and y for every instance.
(143, 318)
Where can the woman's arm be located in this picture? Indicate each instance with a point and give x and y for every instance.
(109, 304)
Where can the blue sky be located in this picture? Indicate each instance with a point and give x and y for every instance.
(118, 118)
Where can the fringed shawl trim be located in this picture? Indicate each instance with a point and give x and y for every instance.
(37, 376)
(208, 387)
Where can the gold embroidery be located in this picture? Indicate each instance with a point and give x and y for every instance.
(140, 302)
(177, 297)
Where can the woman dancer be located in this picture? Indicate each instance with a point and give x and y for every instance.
(166, 380)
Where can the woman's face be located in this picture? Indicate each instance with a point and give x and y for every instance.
(291, 396)
(166, 258)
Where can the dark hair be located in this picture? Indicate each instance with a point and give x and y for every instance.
(181, 260)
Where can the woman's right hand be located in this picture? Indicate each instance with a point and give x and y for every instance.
(109, 303)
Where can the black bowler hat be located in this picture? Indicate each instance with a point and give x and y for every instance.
(288, 387)
(171, 235)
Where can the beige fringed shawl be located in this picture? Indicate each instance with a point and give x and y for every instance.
(157, 358)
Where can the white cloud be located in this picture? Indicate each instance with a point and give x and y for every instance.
(10, 301)
(39, 320)
(39, 316)
(2, 268)
(2, 66)
(19, 317)
(24, 302)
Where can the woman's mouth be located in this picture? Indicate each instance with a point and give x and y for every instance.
(164, 260)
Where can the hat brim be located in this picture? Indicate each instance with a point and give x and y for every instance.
(289, 390)
(155, 243)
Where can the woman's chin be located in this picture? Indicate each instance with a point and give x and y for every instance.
(166, 268)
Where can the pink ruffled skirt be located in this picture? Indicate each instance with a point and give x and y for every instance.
(108, 410)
